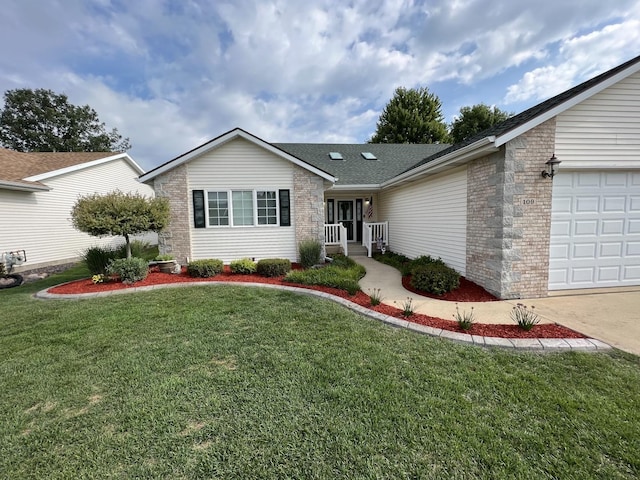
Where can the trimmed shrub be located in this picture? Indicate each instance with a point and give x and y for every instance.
(336, 276)
(244, 266)
(273, 267)
(398, 261)
(342, 261)
(130, 270)
(2, 270)
(97, 259)
(423, 260)
(209, 267)
(436, 278)
(310, 252)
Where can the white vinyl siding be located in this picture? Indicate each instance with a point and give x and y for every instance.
(603, 129)
(429, 217)
(595, 230)
(40, 222)
(241, 166)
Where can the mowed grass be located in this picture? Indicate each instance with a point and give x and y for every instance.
(235, 382)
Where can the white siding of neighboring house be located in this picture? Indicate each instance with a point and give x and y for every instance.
(429, 217)
(602, 131)
(241, 165)
(40, 222)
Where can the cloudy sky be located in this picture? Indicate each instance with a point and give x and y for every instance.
(172, 74)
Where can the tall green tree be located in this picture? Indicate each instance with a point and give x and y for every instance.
(43, 121)
(475, 119)
(118, 213)
(411, 116)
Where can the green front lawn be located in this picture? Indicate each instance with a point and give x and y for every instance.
(236, 382)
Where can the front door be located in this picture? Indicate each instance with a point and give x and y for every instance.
(345, 216)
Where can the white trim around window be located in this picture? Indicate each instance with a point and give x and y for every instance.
(236, 209)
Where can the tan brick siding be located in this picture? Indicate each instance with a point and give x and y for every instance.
(175, 239)
(509, 216)
(307, 205)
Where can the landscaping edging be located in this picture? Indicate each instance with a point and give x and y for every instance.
(545, 344)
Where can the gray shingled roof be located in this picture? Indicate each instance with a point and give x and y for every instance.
(392, 159)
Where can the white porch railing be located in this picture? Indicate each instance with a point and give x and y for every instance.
(336, 234)
(375, 234)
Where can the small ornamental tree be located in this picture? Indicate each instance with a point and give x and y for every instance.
(118, 213)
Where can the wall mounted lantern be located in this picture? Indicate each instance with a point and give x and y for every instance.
(551, 164)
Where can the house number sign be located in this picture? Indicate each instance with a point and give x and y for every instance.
(528, 201)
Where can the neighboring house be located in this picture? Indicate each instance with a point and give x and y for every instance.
(483, 205)
(38, 190)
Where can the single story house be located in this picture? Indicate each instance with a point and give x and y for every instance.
(37, 192)
(496, 207)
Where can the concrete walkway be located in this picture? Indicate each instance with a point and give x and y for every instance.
(612, 317)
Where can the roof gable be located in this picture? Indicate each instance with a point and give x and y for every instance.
(515, 126)
(227, 137)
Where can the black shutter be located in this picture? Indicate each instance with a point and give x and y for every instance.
(285, 208)
(199, 219)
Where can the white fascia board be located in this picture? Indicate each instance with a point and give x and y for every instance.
(82, 166)
(231, 135)
(368, 186)
(469, 152)
(573, 101)
(8, 185)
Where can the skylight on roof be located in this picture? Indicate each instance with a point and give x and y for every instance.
(368, 156)
(335, 155)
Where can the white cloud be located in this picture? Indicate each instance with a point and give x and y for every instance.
(580, 58)
(171, 75)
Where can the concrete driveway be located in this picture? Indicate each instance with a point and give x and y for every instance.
(613, 318)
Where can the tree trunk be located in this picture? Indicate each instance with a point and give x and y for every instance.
(126, 238)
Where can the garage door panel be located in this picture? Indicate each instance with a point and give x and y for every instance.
(610, 250)
(612, 227)
(563, 205)
(609, 274)
(587, 204)
(615, 179)
(586, 179)
(584, 250)
(632, 273)
(559, 252)
(595, 230)
(614, 205)
(633, 249)
(585, 227)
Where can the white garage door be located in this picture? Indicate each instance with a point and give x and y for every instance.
(595, 230)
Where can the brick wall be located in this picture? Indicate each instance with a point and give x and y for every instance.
(532, 211)
(509, 216)
(307, 202)
(175, 239)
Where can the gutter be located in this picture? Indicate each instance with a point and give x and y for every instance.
(9, 185)
(464, 154)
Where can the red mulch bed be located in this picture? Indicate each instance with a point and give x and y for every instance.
(467, 290)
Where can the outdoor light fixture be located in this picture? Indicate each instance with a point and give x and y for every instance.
(551, 167)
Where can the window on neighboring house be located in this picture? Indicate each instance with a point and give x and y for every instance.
(242, 206)
(267, 208)
(218, 208)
